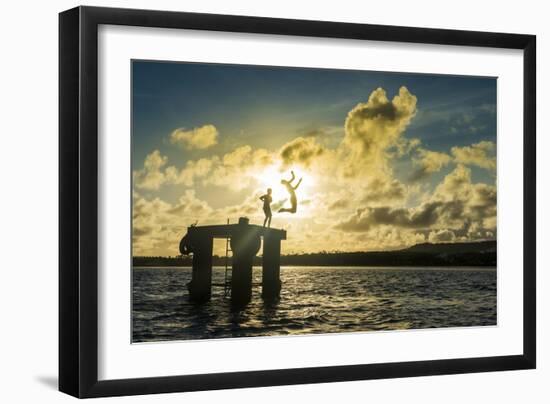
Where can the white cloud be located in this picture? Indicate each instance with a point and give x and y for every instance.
(153, 174)
(429, 162)
(198, 138)
(151, 177)
(192, 171)
(240, 168)
(301, 151)
(480, 154)
(158, 225)
(373, 128)
(457, 205)
(441, 236)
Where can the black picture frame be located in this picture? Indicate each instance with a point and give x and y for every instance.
(78, 201)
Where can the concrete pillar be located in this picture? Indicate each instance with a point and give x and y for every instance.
(271, 267)
(200, 287)
(245, 244)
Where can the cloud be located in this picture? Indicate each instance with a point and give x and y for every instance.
(441, 236)
(479, 200)
(151, 177)
(240, 168)
(457, 205)
(405, 146)
(349, 186)
(378, 191)
(456, 184)
(198, 138)
(235, 170)
(480, 154)
(422, 217)
(189, 206)
(340, 204)
(192, 171)
(372, 128)
(301, 151)
(250, 207)
(157, 226)
(153, 174)
(384, 189)
(428, 162)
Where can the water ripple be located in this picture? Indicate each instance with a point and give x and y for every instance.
(315, 300)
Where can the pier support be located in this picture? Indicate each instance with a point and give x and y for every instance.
(200, 285)
(271, 267)
(245, 242)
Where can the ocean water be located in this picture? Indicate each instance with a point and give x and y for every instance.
(315, 300)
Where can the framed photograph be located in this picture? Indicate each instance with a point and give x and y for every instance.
(252, 202)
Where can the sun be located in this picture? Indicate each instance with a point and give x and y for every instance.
(270, 177)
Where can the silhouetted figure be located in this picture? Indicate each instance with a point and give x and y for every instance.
(267, 198)
(291, 190)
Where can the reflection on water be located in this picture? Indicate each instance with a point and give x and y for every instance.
(315, 300)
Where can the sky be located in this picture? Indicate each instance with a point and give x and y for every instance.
(387, 160)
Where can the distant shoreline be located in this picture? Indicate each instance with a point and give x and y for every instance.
(476, 254)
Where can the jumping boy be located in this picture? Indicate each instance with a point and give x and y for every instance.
(292, 191)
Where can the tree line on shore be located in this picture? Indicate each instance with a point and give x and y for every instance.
(426, 254)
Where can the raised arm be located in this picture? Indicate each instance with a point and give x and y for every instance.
(297, 185)
(293, 176)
